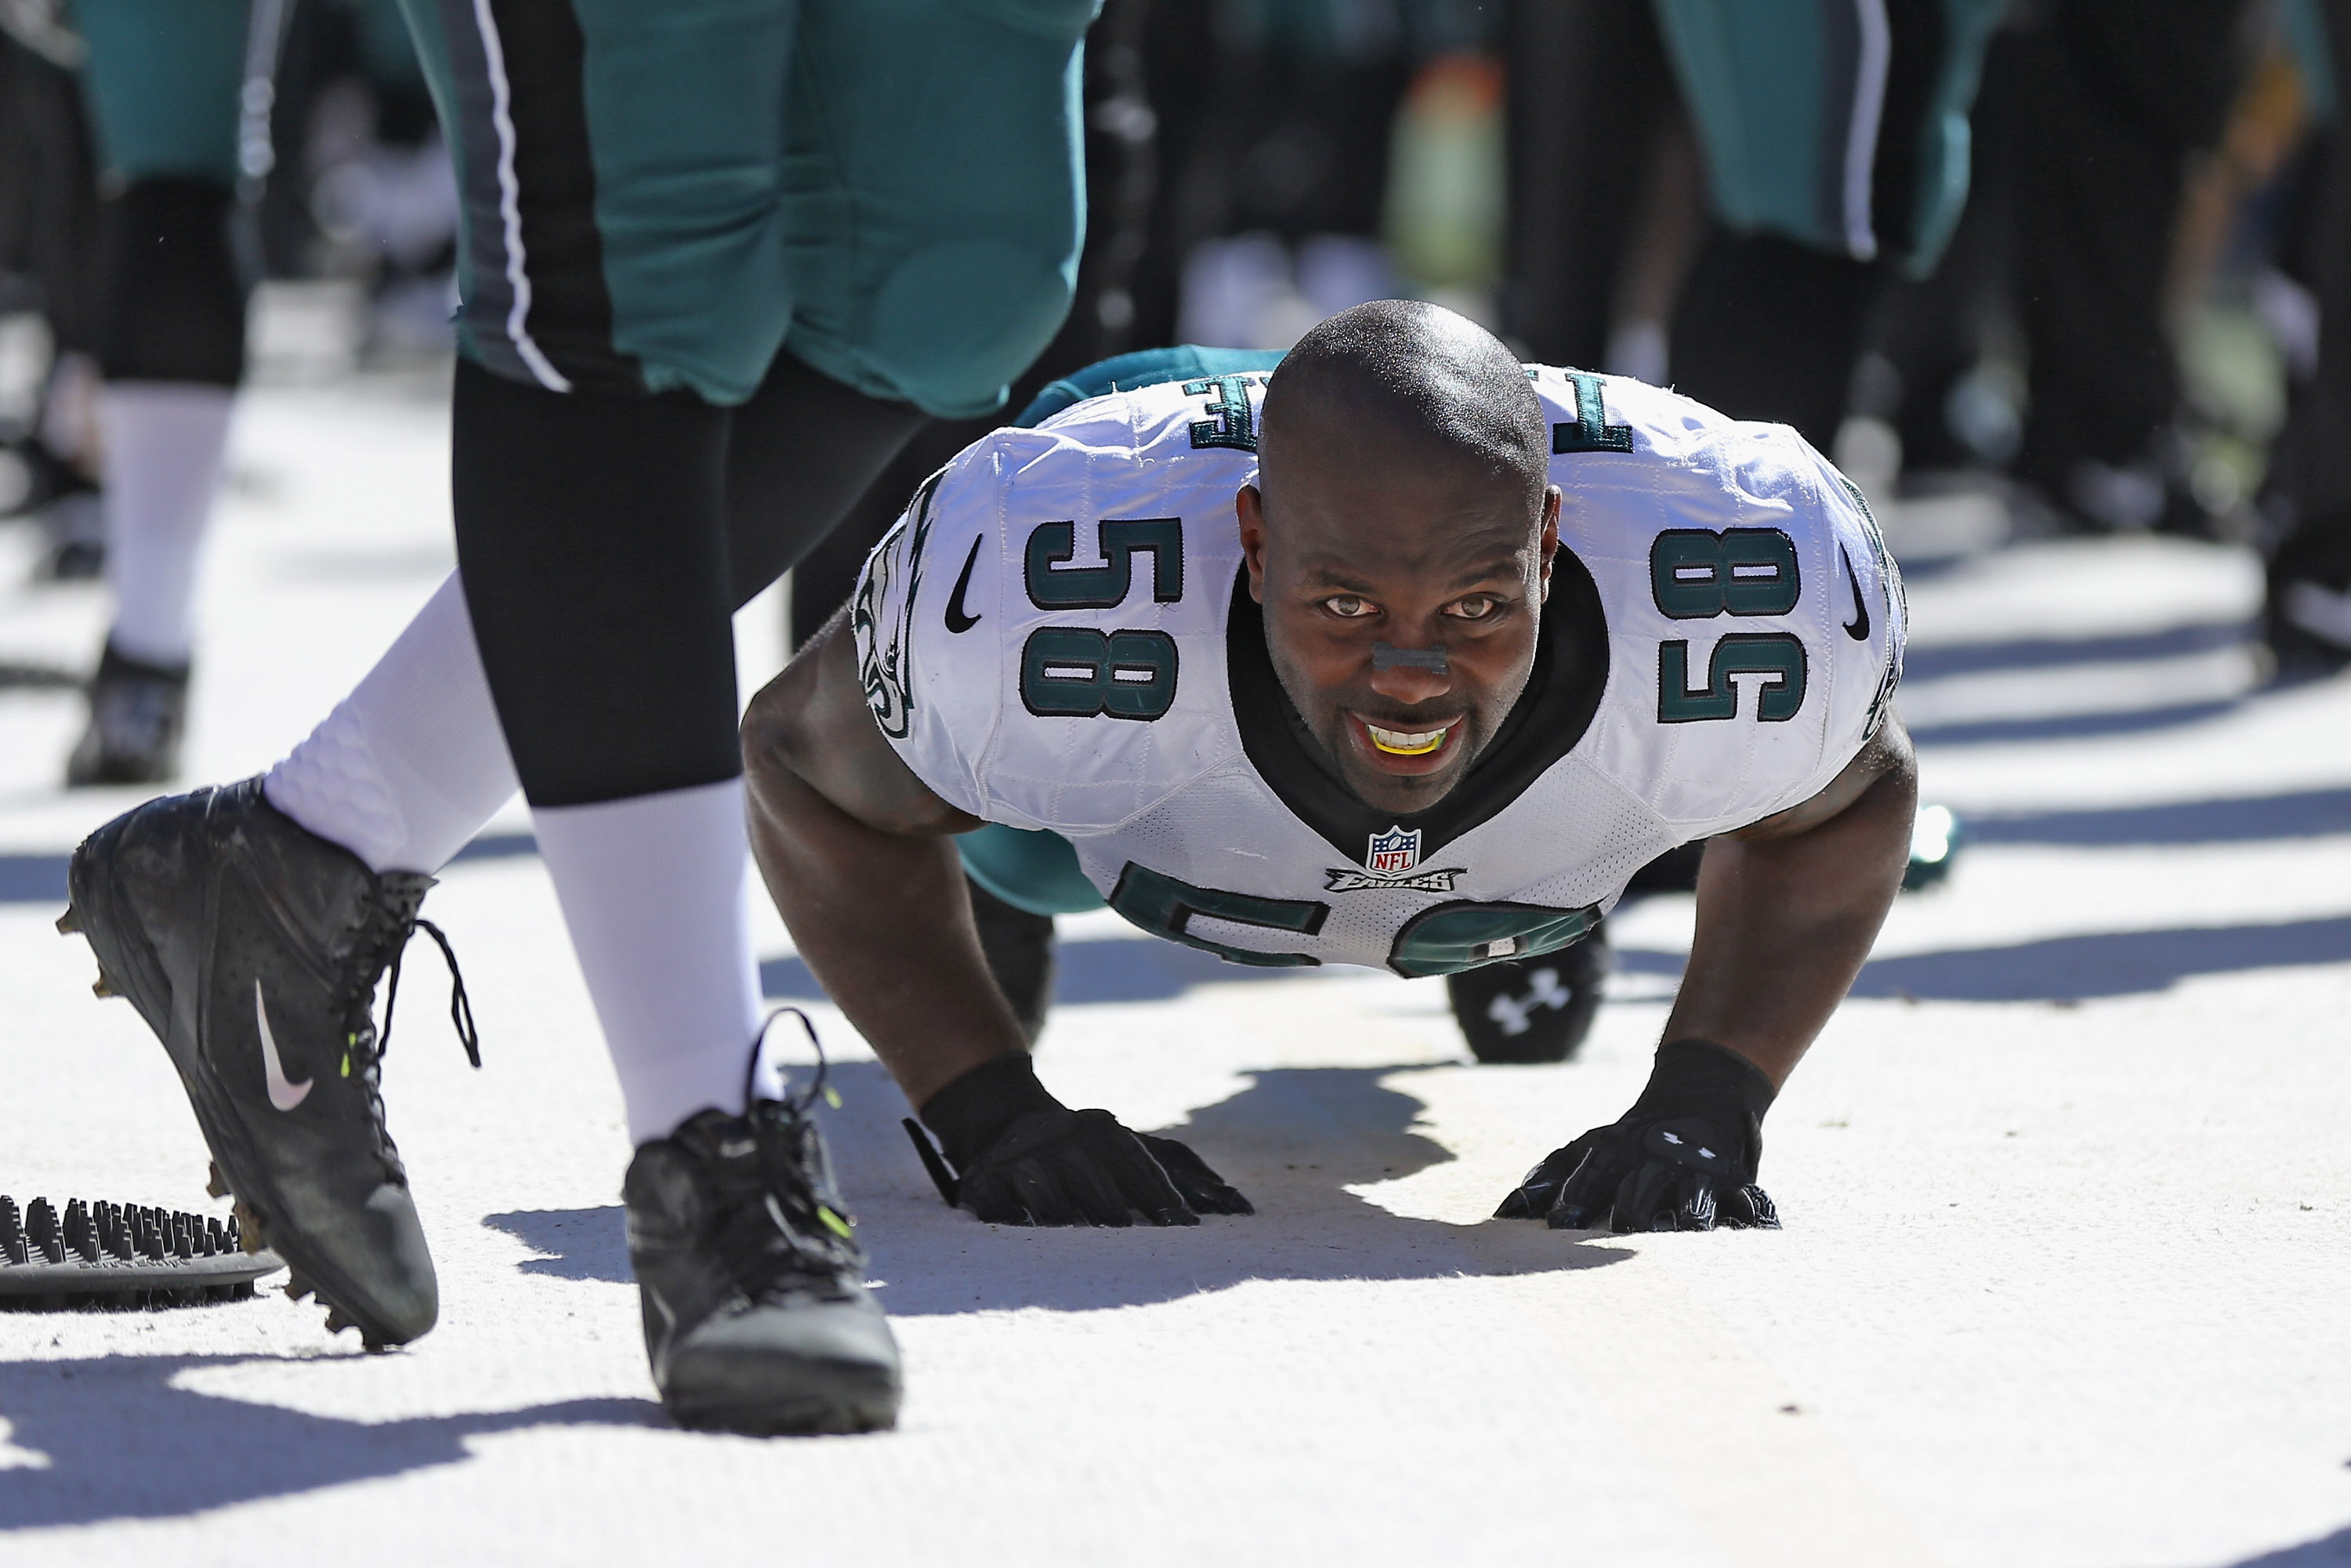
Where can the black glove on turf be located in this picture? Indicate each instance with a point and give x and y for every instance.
(1683, 1158)
(1025, 1158)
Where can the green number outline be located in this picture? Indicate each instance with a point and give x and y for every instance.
(1590, 431)
(1231, 422)
(1723, 592)
(1104, 587)
(1779, 654)
(1101, 693)
(1161, 904)
(1420, 951)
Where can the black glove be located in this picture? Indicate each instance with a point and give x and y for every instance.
(1025, 1158)
(1683, 1158)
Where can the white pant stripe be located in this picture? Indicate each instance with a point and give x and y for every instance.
(510, 205)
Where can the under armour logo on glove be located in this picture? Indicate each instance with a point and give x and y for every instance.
(1513, 1013)
(1686, 1141)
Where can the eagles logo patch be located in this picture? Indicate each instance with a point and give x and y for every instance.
(882, 615)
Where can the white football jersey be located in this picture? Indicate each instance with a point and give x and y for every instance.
(1059, 634)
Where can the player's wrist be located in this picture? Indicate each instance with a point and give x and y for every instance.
(973, 1111)
(1699, 1078)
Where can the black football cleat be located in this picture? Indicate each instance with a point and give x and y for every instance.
(252, 947)
(753, 1285)
(138, 713)
(1532, 1010)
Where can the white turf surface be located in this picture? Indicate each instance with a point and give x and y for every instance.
(2066, 1189)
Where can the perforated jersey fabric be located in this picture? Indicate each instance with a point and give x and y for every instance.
(992, 616)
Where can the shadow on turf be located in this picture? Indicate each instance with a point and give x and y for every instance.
(2052, 654)
(2078, 968)
(1294, 1140)
(2335, 1548)
(123, 1441)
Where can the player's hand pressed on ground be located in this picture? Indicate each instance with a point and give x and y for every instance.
(1021, 1157)
(1786, 910)
(1683, 1158)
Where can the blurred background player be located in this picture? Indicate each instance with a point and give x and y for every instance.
(164, 102)
(49, 282)
(1832, 138)
(139, 205)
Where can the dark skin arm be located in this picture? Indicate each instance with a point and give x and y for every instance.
(857, 853)
(1787, 909)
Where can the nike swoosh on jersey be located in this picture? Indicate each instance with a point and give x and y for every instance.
(283, 1093)
(1858, 627)
(957, 622)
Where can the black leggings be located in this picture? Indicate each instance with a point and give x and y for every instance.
(1768, 329)
(606, 542)
(172, 306)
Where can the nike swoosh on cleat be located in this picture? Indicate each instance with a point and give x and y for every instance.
(1858, 627)
(283, 1093)
(957, 622)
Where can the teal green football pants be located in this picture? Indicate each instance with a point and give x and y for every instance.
(659, 195)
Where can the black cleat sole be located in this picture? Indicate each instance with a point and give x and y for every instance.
(860, 1403)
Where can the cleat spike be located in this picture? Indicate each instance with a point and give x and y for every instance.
(297, 1287)
(338, 1320)
(69, 923)
(251, 1233)
(102, 987)
(217, 1184)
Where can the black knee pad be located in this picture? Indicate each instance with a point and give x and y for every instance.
(173, 308)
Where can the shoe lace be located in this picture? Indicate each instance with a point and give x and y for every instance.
(381, 934)
(782, 1229)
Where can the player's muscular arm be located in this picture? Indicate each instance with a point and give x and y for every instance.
(1787, 910)
(856, 853)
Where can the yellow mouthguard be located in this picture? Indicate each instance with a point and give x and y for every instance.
(1410, 751)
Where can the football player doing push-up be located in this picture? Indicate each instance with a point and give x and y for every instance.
(1407, 657)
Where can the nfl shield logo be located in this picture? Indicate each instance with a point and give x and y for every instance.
(1394, 853)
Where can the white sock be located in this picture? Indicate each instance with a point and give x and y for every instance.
(165, 443)
(655, 890)
(410, 766)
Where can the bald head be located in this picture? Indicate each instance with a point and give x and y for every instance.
(1400, 382)
(1399, 538)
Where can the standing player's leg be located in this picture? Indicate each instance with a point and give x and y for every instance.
(382, 793)
(163, 77)
(411, 764)
(201, 907)
(591, 438)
